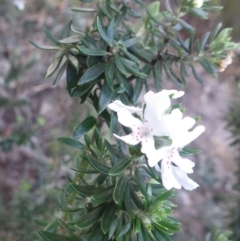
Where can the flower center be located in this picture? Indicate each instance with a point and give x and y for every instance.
(142, 132)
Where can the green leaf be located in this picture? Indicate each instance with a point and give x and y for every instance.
(66, 30)
(120, 167)
(172, 76)
(103, 9)
(140, 182)
(90, 218)
(49, 35)
(91, 52)
(53, 67)
(106, 96)
(124, 230)
(93, 60)
(188, 151)
(71, 40)
(109, 74)
(130, 42)
(160, 236)
(83, 90)
(113, 7)
(102, 32)
(215, 32)
(157, 74)
(153, 8)
(71, 142)
(160, 141)
(60, 73)
(204, 41)
(102, 196)
(92, 73)
(53, 237)
(155, 18)
(123, 81)
(119, 190)
(73, 60)
(186, 26)
(114, 151)
(137, 89)
(131, 56)
(95, 234)
(132, 68)
(83, 10)
(162, 198)
(162, 228)
(86, 1)
(84, 170)
(128, 202)
(137, 201)
(97, 165)
(198, 12)
(120, 65)
(209, 67)
(113, 227)
(196, 75)
(43, 47)
(85, 126)
(108, 217)
(84, 190)
(169, 225)
(146, 234)
(110, 31)
(183, 72)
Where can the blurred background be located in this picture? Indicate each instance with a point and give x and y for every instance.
(33, 114)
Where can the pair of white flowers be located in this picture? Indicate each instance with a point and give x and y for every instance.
(155, 121)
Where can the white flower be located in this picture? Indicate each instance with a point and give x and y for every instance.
(156, 122)
(20, 4)
(117, 105)
(144, 130)
(198, 3)
(173, 166)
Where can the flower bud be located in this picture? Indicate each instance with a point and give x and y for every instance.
(197, 3)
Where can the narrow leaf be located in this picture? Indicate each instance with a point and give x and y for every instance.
(60, 73)
(106, 96)
(92, 73)
(83, 9)
(119, 190)
(108, 217)
(97, 165)
(71, 142)
(85, 126)
(90, 218)
(91, 52)
(53, 67)
(120, 167)
(43, 47)
(102, 32)
(49, 35)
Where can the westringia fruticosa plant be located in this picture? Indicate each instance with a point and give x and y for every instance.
(121, 191)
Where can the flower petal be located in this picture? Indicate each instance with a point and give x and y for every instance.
(184, 164)
(129, 139)
(117, 105)
(156, 105)
(168, 125)
(176, 94)
(168, 179)
(190, 136)
(126, 119)
(183, 179)
(187, 123)
(153, 155)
